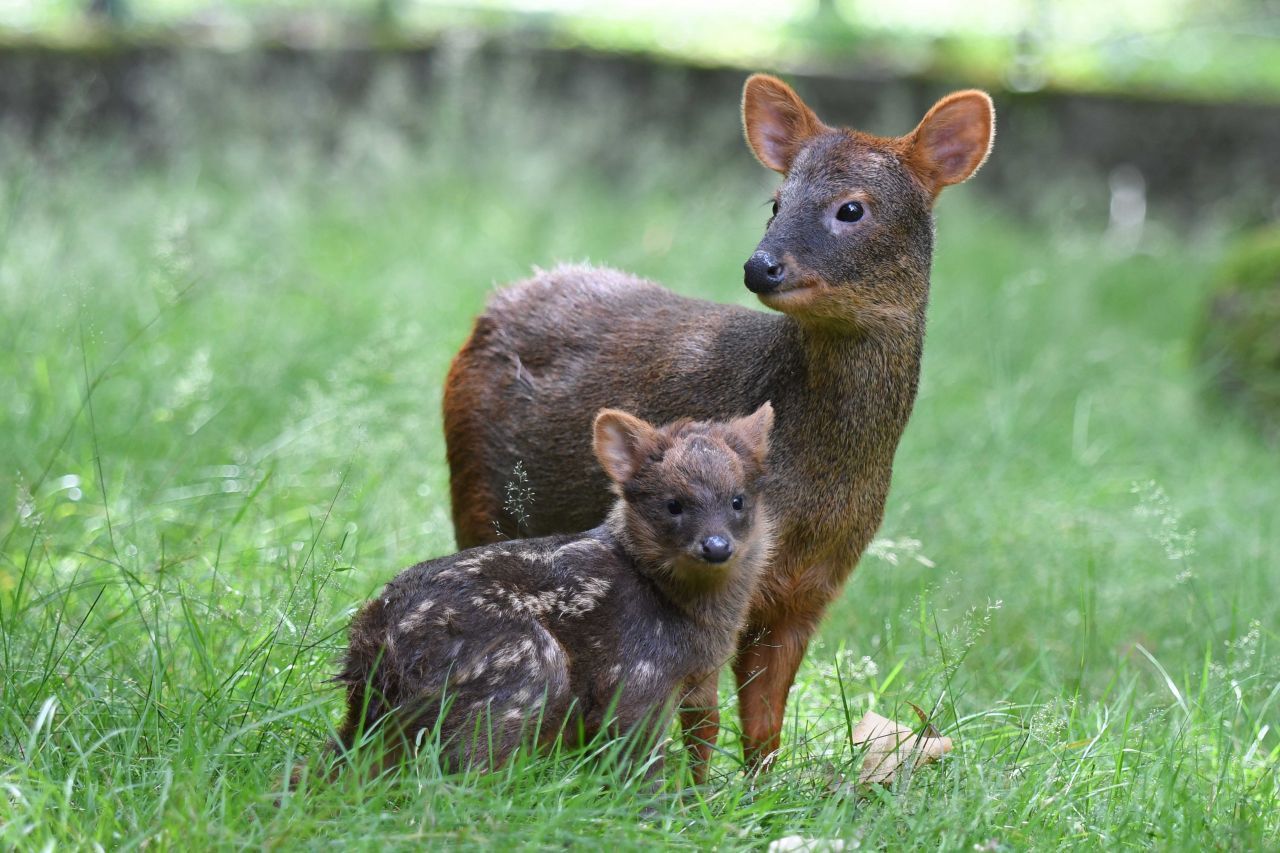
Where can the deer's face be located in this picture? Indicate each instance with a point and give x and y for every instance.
(850, 236)
(690, 491)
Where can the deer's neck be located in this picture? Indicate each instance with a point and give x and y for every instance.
(860, 383)
(842, 408)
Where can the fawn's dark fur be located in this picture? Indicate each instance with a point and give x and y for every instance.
(840, 363)
(531, 640)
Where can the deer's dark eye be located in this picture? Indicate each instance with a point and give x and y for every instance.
(738, 502)
(675, 507)
(850, 211)
(775, 207)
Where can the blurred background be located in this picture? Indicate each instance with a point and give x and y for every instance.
(1176, 99)
(1173, 101)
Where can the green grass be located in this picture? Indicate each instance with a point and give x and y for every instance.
(219, 405)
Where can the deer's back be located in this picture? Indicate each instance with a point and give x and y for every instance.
(550, 352)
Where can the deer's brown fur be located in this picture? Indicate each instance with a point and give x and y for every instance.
(840, 362)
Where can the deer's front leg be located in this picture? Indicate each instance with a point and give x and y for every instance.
(700, 722)
(768, 657)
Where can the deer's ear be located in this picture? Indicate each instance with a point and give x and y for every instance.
(754, 429)
(618, 440)
(776, 120)
(952, 140)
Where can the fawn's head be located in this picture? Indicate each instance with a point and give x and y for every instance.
(690, 491)
(851, 237)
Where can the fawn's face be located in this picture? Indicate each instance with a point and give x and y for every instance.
(851, 237)
(691, 491)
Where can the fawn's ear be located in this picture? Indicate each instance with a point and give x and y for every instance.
(776, 120)
(952, 140)
(754, 429)
(618, 439)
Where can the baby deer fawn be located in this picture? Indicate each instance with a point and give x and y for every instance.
(529, 641)
(845, 258)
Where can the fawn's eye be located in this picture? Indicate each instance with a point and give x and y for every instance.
(775, 207)
(850, 211)
(738, 502)
(675, 507)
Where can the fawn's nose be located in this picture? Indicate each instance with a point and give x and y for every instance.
(716, 549)
(763, 272)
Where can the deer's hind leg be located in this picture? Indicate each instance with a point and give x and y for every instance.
(476, 502)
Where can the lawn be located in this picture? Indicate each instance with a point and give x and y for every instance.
(220, 433)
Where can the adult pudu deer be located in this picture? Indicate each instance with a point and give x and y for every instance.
(845, 259)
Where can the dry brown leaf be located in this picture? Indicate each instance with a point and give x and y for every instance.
(891, 746)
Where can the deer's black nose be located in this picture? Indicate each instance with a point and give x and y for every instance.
(716, 549)
(763, 272)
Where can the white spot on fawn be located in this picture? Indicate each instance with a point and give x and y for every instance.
(514, 601)
(551, 653)
(585, 598)
(471, 673)
(587, 545)
(643, 672)
(511, 655)
(415, 619)
(485, 604)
